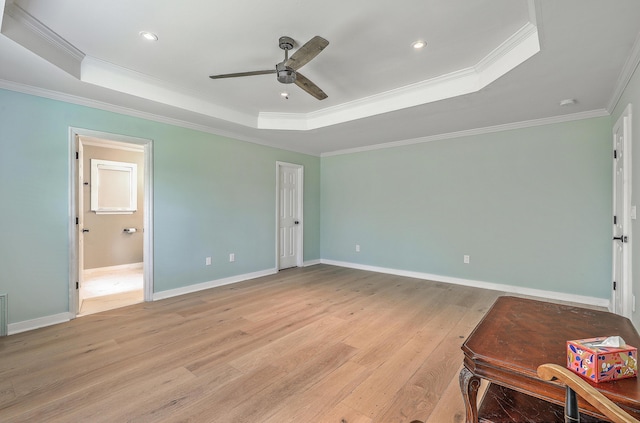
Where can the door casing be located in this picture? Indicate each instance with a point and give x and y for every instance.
(622, 296)
(74, 273)
(300, 201)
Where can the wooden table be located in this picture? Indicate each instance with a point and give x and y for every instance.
(513, 339)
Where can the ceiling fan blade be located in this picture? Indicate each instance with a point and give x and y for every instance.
(304, 54)
(234, 75)
(304, 83)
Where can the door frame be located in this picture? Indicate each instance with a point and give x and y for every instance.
(625, 289)
(300, 228)
(147, 254)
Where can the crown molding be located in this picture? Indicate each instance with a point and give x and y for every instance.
(2, 9)
(95, 104)
(626, 74)
(108, 75)
(32, 34)
(522, 45)
(478, 131)
(37, 37)
(519, 47)
(81, 101)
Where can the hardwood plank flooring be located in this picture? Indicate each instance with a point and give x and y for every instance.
(317, 344)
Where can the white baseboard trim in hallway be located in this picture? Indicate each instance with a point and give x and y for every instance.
(552, 295)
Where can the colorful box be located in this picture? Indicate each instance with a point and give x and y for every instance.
(601, 363)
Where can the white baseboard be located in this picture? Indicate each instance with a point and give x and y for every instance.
(26, 325)
(40, 322)
(91, 272)
(561, 296)
(211, 284)
(311, 263)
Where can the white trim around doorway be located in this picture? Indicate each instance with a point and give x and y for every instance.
(116, 140)
(300, 232)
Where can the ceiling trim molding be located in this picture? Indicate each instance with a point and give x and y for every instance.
(512, 52)
(82, 101)
(108, 107)
(108, 75)
(32, 34)
(519, 47)
(438, 88)
(626, 74)
(478, 131)
(2, 8)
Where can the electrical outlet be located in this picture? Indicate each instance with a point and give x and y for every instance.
(466, 259)
(232, 257)
(357, 248)
(207, 261)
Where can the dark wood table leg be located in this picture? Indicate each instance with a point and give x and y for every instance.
(469, 385)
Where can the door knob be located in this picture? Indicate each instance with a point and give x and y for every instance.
(620, 238)
(85, 230)
(296, 222)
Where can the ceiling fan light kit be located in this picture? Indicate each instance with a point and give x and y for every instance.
(287, 70)
(286, 75)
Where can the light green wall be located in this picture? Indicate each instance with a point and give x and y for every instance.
(532, 207)
(631, 95)
(212, 196)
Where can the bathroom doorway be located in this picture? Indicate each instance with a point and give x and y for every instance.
(112, 266)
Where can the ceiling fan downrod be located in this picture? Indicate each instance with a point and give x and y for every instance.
(286, 75)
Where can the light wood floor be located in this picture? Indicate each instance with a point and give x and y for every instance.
(317, 344)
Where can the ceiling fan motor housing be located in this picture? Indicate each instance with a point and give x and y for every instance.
(286, 75)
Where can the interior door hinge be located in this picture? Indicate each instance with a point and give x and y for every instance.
(77, 155)
(78, 222)
(78, 285)
(614, 285)
(615, 154)
(615, 220)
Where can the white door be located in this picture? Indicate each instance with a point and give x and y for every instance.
(80, 226)
(289, 215)
(622, 290)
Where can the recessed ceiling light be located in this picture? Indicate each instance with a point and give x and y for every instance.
(284, 95)
(419, 44)
(568, 102)
(149, 36)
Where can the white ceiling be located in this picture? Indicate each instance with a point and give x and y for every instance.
(487, 63)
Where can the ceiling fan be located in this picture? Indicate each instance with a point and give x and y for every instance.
(287, 70)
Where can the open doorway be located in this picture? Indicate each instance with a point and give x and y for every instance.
(111, 238)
